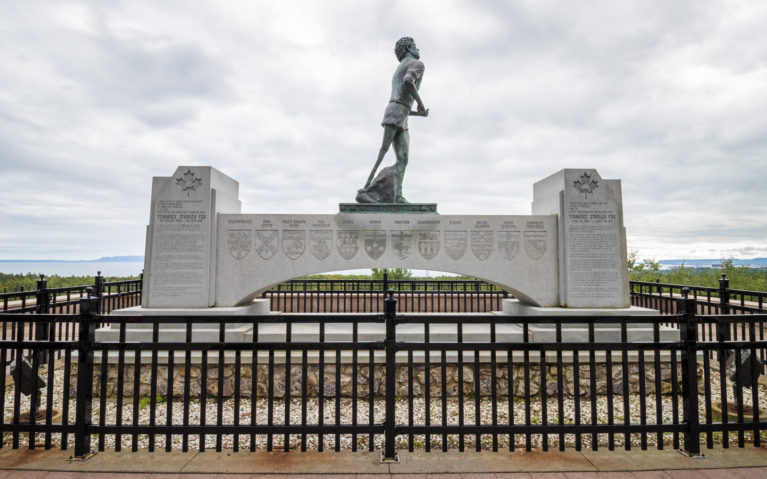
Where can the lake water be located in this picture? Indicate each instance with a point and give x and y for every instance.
(75, 268)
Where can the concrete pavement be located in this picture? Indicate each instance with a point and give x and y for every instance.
(718, 462)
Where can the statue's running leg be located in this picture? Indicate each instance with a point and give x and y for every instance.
(388, 136)
(402, 150)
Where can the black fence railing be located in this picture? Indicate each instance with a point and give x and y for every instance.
(479, 381)
(708, 301)
(365, 296)
(721, 300)
(44, 300)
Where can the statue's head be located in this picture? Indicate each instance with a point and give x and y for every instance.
(405, 45)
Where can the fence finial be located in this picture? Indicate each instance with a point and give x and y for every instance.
(685, 292)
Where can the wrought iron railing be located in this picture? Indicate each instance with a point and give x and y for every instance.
(364, 296)
(296, 384)
(721, 300)
(44, 300)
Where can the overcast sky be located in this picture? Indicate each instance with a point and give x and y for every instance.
(287, 98)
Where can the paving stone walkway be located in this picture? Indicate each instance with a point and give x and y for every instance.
(732, 463)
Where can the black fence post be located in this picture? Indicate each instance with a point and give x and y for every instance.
(83, 410)
(724, 294)
(724, 303)
(390, 316)
(43, 299)
(687, 308)
(98, 288)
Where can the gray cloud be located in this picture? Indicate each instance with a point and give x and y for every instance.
(287, 99)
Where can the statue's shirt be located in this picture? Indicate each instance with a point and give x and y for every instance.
(401, 100)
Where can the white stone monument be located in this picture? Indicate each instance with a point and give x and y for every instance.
(205, 257)
(203, 253)
(592, 240)
(179, 265)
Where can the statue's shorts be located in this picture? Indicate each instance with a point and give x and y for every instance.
(396, 115)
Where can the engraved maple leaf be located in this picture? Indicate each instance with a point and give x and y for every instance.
(188, 181)
(586, 184)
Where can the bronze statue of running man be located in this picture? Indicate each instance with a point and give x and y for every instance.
(405, 83)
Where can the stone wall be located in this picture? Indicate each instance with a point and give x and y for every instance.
(363, 378)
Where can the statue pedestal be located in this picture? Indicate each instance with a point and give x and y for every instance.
(387, 207)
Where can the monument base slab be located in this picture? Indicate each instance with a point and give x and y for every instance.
(517, 308)
(174, 332)
(387, 207)
(579, 332)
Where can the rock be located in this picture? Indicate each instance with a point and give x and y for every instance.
(502, 387)
(212, 388)
(468, 374)
(383, 189)
(551, 388)
(420, 374)
(486, 385)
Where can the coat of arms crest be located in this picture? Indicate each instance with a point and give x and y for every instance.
(293, 243)
(482, 244)
(508, 244)
(266, 243)
(535, 244)
(455, 244)
(348, 243)
(239, 243)
(319, 243)
(428, 243)
(374, 242)
(402, 241)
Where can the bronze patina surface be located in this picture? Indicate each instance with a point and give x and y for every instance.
(387, 186)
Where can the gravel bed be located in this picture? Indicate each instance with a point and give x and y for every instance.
(347, 408)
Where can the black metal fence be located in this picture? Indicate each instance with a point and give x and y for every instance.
(366, 296)
(721, 300)
(709, 302)
(375, 389)
(44, 300)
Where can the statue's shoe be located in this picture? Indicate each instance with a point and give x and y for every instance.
(401, 199)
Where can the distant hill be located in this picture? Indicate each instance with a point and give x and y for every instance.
(105, 259)
(708, 263)
(119, 259)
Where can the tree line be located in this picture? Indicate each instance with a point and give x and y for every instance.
(12, 282)
(741, 277)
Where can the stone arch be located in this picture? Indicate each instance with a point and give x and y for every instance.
(530, 286)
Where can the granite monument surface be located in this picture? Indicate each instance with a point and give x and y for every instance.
(202, 252)
(178, 264)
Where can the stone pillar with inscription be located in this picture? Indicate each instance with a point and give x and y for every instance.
(592, 239)
(180, 262)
